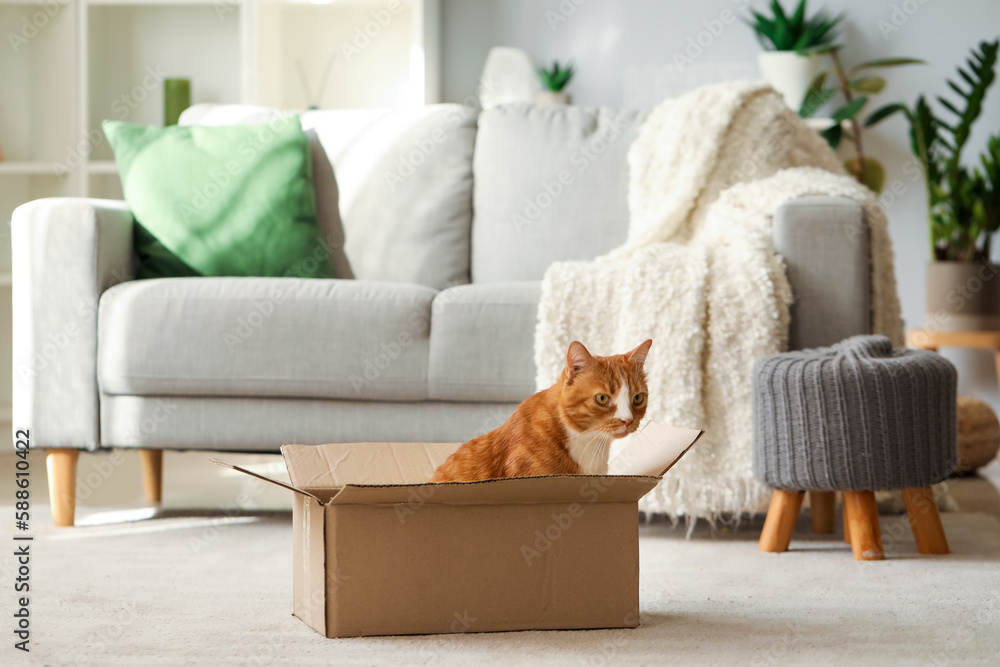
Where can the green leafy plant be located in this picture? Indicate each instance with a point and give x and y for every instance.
(855, 86)
(795, 32)
(556, 78)
(963, 204)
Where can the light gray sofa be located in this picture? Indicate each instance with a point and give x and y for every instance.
(451, 218)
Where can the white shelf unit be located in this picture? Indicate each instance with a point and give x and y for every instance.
(97, 59)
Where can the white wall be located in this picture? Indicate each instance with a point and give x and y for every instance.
(623, 50)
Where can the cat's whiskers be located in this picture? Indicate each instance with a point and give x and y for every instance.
(599, 448)
(597, 433)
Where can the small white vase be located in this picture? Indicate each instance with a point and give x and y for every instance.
(552, 97)
(508, 77)
(789, 73)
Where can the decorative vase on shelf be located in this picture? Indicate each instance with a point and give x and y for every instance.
(963, 296)
(553, 97)
(789, 73)
(508, 76)
(176, 98)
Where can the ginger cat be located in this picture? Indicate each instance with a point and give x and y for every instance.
(566, 429)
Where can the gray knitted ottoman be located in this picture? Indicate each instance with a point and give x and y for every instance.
(857, 417)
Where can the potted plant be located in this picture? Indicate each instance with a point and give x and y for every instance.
(963, 286)
(553, 82)
(791, 59)
(856, 91)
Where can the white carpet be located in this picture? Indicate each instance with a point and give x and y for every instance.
(203, 589)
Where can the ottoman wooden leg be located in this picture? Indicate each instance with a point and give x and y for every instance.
(780, 521)
(847, 524)
(862, 518)
(822, 504)
(925, 520)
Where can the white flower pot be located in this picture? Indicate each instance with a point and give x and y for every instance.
(789, 73)
(551, 97)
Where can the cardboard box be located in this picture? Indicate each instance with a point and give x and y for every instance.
(379, 551)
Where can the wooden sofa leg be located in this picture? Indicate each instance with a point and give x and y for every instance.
(822, 504)
(61, 467)
(780, 522)
(862, 518)
(925, 520)
(152, 474)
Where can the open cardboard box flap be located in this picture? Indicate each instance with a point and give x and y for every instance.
(389, 472)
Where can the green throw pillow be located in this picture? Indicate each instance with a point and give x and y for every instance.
(221, 201)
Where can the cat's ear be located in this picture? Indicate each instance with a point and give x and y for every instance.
(638, 355)
(578, 359)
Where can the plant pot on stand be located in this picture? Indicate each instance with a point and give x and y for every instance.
(789, 73)
(963, 296)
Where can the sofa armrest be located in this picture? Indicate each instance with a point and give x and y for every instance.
(825, 244)
(66, 252)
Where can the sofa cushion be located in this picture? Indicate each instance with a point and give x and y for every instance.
(265, 337)
(482, 342)
(206, 206)
(551, 183)
(405, 185)
(324, 180)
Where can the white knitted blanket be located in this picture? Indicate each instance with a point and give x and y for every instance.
(699, 275)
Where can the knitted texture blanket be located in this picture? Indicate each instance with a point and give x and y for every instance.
(699, 275)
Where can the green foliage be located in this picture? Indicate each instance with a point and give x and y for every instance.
(849, 110)
(962, 203)
(556, 78)
(795, 32)
(872, 172)
(819, 94)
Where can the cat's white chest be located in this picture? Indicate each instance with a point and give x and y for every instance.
(590, 451)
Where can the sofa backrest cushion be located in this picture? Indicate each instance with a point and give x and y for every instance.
(551, 184)
(405, 185)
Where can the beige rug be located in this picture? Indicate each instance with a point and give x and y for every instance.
(190, 588)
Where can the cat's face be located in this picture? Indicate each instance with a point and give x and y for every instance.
(605, 394)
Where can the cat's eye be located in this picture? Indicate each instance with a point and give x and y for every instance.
(602, 399)
(638, 399)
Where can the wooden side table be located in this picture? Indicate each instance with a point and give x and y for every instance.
(932, 340)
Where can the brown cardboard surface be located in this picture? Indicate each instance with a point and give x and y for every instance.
(482, 568)
(378, 550)
(516, 490)
(331, 466)
(309, 583)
